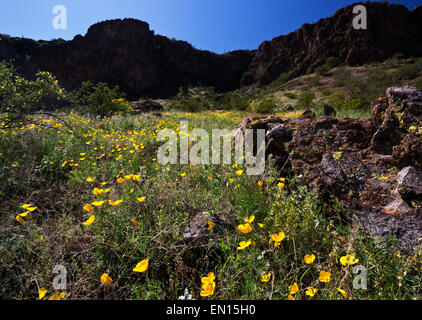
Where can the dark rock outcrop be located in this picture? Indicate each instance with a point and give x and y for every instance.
(373, 166)
(146, 106)
(127, 53)
(197, 231)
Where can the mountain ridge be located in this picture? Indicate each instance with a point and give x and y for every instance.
(127, 53)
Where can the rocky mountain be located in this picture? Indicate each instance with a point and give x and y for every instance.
(126, 52)
(390, 29)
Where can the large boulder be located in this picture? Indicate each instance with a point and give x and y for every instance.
(146, 106)
(373, 166)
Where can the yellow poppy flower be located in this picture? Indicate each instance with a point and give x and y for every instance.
(280, 185)
(89, 221)
(105, 279)
(97, 191)
(239, 172)
(141, 199)
(324, 276)
(348, 260)
(266, 277)
(231, 181)
(88, 208)
(294, 288)
(209, 278)
(20, 220)
(245, 228)
(141, 266)
(343, 293)
(31, 209)
(98, 203)
(290, 297)
(135, 223)
(24, 215)
(129, 177)
(250, 219)
(243, 245)
(278, 237)
(41, 293)
(183, 174)
(115, 203)
(311, 292)
(120, 180)
(309, 258)
(260, 184)
(89, 179)
(261, 225)
(207, 289)
(58, 296)
(211, 225)
(136, 178)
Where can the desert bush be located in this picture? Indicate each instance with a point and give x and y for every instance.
(418, 83)
(20, 97)
(341, 76)
(291, 95)
(188, 104)
(329, 64)
(237, 102)
(282, 79)
(326, 92)
(340, 100)
(411, 71)
(99, 99)
(306, 100)
(265, 106)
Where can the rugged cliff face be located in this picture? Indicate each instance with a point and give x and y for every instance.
(390, 29)
(126, 52)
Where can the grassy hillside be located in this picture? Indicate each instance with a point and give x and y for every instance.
(86, 192)
(55, 168)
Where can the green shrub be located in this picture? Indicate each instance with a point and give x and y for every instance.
(305, 101)
(237, 102)
(266, 106)
(326, 92)
(341, 76)
(20, 97)
(100, 100)
(418, 83)
(282, 79)
(329, 64)
(409, 72)
(188, 105)
(291, 95)
(322, 70)
(340, 100)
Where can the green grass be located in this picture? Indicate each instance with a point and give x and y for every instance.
(114, 245)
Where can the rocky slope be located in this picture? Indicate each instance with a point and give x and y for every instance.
(373, 166)
(391, 29)
(126, 52)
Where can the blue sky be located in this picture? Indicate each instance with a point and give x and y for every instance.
(215, 25)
